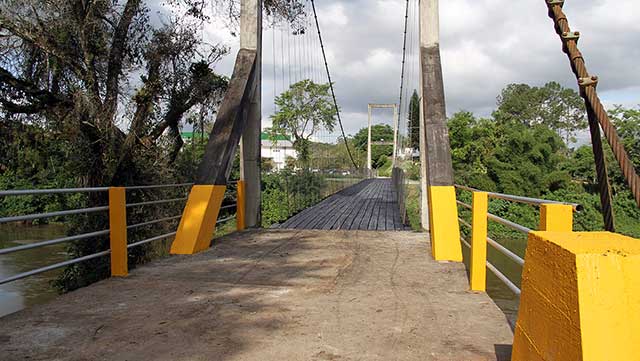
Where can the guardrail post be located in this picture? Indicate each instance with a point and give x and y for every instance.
(240, 207)
(479, 241)
(118, 231)
(556, 217)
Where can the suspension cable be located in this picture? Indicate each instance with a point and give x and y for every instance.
(404, 54)
(333, 93)
(587, 84)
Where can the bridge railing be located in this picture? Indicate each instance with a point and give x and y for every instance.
(554, 216)
(118, 230)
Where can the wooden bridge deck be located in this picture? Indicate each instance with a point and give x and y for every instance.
(369, 205)
(273, 295)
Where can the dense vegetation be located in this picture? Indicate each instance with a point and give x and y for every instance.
(527, 147)
(95, 93)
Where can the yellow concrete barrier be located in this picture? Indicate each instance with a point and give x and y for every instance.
(443, 219)
(580, 298)
(240, 210)
(118, 231)
(479, 241)
(198, 222)
(556, 218)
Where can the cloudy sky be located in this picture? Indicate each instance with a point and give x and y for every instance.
(486, 44)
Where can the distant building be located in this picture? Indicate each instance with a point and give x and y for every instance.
(277, 150)
(188, 137)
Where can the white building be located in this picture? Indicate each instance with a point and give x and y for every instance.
(277, 150)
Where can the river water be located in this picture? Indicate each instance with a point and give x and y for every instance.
(506, 300)
(33, 290)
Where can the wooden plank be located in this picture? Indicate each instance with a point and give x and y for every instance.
(366, 221)
(362, 202)
(331, 224)
(369, 205)
(325, 214)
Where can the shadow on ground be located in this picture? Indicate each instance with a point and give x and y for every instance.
(271, 295)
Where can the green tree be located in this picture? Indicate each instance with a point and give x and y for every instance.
(304, 110)
(561, 109)
(107, 89)
(379, 133)
(413, 123)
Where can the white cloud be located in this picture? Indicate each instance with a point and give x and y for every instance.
(486, 44)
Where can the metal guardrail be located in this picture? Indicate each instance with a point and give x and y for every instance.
(85, 236)
(160, 186)
(515, 226)
(28, 192)
(521, 199)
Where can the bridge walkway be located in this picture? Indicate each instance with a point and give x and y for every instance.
(273, 295)
(369, 205)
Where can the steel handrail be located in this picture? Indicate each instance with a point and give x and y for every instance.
(133, 226)
(53, 241)
(31, 217)
(53, 266)
(91, 234)
(162, 201)
(159, 186)
(520, 199)
(509, 224)
(505, 251)
(465, 205)
(148, 240)
(228, 207)
(497, 273)
(504, 279)
(502, 249)
(28, 192)
(225, 219)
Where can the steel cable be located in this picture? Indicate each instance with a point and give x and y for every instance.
(587, 85)
(333, 93)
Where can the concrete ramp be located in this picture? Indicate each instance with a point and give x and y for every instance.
(273, 295)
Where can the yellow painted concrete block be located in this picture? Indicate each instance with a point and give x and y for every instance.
(580, 298)
(479, 241)
(198, 222)
(445, 229)
(118, 231)
(556, 218)
(240, 206)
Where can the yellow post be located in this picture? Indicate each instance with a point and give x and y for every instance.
(556, 218)
(445, 228)
(479, 242)
(118, 231)
(198, 222)
(580, 298)
(240, 210)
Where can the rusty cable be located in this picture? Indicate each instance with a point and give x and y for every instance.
(587, 84)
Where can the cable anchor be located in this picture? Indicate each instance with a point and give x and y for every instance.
(552, 3)
(571, 35)
(587, 82)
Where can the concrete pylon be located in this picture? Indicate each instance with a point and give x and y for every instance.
(250, 146)
(443, 213)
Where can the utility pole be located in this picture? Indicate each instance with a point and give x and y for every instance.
(443, 212)
(250, 146)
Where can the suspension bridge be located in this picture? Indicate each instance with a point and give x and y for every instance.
(343, 278)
